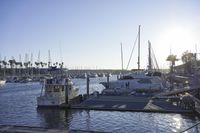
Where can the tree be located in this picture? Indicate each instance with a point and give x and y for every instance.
(172, 58)
(188, 57)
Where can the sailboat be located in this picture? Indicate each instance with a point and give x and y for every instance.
(136, 81)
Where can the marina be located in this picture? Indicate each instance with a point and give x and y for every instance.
(99, 66)
(56, 91)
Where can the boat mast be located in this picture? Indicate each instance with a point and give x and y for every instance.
(150, 63)
(139, 48)
(122, 58)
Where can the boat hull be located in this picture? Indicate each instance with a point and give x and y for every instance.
(2, 82)
(50, 101)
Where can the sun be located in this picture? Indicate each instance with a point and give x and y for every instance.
(174, 39)
(178, 37)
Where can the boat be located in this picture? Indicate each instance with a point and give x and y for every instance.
(2, 82)
(145, 81)
(55, 92)
(138, 81)
(92, 75)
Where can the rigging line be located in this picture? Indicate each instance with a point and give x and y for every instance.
(155, 60)
(132, 52)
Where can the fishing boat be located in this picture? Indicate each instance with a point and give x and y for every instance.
(149, 80)
(55, 92)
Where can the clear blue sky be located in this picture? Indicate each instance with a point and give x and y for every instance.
(88, 32)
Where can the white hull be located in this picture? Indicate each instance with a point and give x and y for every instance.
(50, 101)
(55, 92)
(137, 81)
(2, 82)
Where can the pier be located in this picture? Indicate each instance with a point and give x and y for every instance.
(28, 129)
(129, 103)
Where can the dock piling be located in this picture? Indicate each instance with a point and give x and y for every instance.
(107, 81)
(88, 85)
(66, 90)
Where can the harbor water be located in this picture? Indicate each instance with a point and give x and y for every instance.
(18, 106)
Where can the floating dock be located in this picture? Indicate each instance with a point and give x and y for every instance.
(129, 103)
(28, 129)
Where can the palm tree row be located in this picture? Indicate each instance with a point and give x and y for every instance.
(14, 64)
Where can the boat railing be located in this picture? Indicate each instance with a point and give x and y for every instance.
(193, 127)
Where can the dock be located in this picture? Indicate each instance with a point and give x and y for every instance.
(28, 129)
(129, 103)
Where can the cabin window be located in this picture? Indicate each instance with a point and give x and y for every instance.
(56, 89)
(144, 81)
(48, 90)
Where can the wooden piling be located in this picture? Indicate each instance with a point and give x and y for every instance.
(108, 81)
(66, 90)
(88, 86)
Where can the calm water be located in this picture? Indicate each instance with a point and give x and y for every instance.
(18, 107)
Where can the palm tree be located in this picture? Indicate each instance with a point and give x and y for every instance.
(172, 58)
(189, 59)
(12, 64)
(38, 67)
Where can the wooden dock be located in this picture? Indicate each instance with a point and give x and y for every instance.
(129, 103)
(28, 129)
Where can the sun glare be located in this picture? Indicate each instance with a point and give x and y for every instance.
(179, 39)
(176, 39)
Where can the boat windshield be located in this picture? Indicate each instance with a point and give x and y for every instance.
(54, 81)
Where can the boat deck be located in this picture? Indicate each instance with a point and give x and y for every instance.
(129, 103)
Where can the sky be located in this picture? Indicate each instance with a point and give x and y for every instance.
(86, 34)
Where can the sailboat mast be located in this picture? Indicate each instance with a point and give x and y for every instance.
(150, 63)
(139, 48)
(122, 58)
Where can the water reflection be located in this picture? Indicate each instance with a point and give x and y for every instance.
(114, 121)
(177, 122)
(54, 118)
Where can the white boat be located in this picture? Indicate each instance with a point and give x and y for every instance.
(56, 92)
(140, 80)
(135, 81)
(2, 82)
